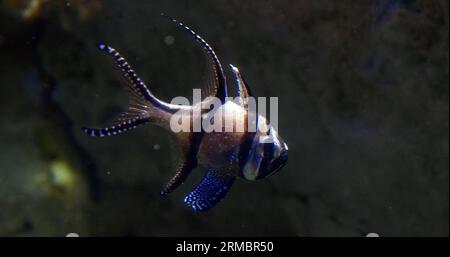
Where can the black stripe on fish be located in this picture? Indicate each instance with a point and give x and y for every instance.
(116, 129)
(244, 150)
(246, 145)
(268, 155)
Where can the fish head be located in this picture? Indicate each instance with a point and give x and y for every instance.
(268, 151)
(267, 156)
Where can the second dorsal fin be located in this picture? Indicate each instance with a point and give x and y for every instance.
(219, 84)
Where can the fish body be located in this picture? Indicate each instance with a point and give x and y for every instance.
(224, 154)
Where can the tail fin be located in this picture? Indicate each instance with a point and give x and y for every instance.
(144, 106)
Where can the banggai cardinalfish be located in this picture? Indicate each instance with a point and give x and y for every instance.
(224, 155)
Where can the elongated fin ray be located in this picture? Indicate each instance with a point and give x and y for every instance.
(210, 191)
(220, 86)
(115, 129)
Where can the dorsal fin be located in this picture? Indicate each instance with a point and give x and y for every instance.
(242, 88)
(219, 79)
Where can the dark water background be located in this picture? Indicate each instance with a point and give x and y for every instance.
(363, 89)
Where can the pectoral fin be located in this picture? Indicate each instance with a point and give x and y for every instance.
(211, 190)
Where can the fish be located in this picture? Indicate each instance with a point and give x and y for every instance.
(250, 154)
